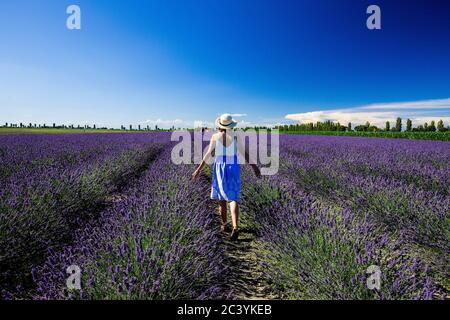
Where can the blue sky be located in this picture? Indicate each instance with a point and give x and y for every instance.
(184, 62)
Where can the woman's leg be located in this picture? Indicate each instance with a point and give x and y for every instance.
(223, 211)
(234, 208)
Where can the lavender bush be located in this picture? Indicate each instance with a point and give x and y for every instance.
(160, 242)
(50, 184)
(337, 206)
(322, 222)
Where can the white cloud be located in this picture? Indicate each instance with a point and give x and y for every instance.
(377, 114)
(238, 115)
(203, 124)
(421, 120)
(179, 123)
(244, 124)
(165, 123)
(422, 104)
(193, 124)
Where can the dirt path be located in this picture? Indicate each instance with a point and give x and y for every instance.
(246, 279)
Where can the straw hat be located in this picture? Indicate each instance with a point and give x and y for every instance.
(225, 121)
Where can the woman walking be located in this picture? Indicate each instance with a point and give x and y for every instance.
(226, 180)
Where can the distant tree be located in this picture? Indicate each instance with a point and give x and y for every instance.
(408, 124)
(388, 126)
(432, 126)
(440, 126)
(54, 125)
(131, 127)
(139, 127)
(425, 126)
(398, 124)
(349, 126)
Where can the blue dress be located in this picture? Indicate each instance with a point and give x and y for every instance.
(226, 180)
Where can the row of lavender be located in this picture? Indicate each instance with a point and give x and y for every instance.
(49, 184)
(337, 206)
(400, 183)
(160, 241)
(341, 205)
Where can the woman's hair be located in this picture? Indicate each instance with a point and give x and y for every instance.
(222, 130)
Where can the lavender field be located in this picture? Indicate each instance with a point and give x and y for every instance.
(139, 228)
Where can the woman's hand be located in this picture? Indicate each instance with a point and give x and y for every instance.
(196, 174)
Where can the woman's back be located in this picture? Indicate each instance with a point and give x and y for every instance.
(228, 149)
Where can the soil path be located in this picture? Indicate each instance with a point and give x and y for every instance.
(246, 279)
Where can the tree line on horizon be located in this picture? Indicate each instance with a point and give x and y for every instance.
(299, 127)
(367, 127)
(81, 127)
